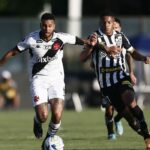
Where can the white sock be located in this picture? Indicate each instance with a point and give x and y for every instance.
(53, 128)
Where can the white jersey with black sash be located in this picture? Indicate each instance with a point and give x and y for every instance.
(111, 70)
(46, 57)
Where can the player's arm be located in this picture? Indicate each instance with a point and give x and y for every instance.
(131, 70)
(88, 48)
(12, 52)
(134, 53)
(80, 41)
(139, 57)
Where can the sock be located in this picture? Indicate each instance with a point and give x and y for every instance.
(53, 128)
(132, 121)
(118, 117)
(109, 124)
(138, 113)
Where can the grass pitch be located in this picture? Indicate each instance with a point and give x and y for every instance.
(79, 131)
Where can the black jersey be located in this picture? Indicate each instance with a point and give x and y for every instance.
(111, 70)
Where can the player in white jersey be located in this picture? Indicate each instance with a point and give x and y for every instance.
(112, 75)
(46, 71)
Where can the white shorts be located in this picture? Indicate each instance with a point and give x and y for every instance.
(43, 89)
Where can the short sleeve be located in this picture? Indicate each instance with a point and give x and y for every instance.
(23, 45)
(126, 44)
(67, 38)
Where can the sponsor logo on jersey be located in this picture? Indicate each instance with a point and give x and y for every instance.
(46, 59)
(109, 69)
(39, 41)
(46, 47)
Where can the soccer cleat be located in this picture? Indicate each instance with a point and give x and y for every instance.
(119, 128)
(147, 143)
(43, 143)
(112, 136)
(37, 129)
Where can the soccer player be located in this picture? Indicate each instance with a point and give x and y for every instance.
(46, 72)
(109, 112)
(112, 75)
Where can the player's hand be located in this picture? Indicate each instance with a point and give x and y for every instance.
(133, 78)
(86, 41)
(113, 50)
(147, 60)
(93, 39)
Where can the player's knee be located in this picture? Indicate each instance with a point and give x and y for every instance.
(128, 97)
(57, 116)
(43, 117)
(133, 104)
(109, 111)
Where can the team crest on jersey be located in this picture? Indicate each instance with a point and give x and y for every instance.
(56, 46)
(36, 98)
(103, 54)
(118, 40)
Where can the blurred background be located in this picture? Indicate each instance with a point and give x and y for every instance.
(80, 18)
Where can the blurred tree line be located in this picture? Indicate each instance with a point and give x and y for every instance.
(59, 7)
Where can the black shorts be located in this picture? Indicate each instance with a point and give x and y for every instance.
(114, 93)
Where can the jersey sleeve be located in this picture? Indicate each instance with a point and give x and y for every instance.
(126, 44)
(67, 38)
(23, 45)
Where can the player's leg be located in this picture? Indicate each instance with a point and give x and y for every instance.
(118, 117)
(57, 106)
(40, 103)
(128, 97)
(56, 99)
(118, 124)
(40, 117)
(109, 111)
(109, 122)
(115, 97)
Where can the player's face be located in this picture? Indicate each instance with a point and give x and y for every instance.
(47, 28)
(117, 26)
(108, 24)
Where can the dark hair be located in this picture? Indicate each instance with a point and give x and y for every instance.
(118, 21)
(47, 16)
(106, 13)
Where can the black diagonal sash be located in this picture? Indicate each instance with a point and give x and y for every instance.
(50, 53)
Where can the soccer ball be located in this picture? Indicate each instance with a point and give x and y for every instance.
(54, 143)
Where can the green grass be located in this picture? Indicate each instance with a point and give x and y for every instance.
(80, 131)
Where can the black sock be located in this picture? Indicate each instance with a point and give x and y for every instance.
(109, 124)
(138, 113)
(118, 117)
(132, 121)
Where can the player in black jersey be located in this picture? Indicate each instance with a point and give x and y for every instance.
(112, 75)
(109, 109)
